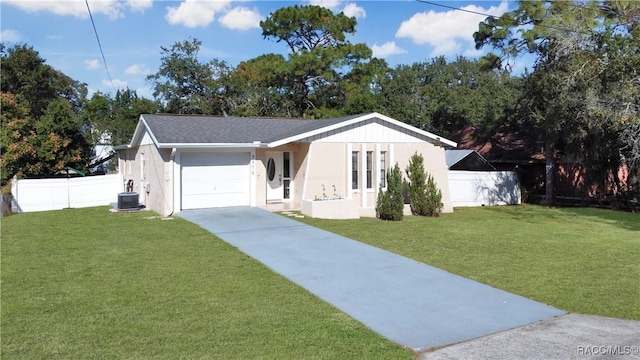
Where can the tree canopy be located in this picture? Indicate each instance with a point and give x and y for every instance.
(581, 100)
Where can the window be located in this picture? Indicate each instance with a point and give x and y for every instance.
(354, 170)
(286, 178)
(271, 169)
(369, 169)
(286, 164)
(383, 169)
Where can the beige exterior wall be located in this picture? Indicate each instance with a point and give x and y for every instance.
(298, 153)
(326, 168)
(156, 173)
(331, 164)
(434, 163)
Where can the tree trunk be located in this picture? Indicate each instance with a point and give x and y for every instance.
(550, 172)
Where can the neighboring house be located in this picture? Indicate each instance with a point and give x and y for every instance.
(101, 151)
(179, 162)
(507, 151)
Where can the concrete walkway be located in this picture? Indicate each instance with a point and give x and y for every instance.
(410, 303)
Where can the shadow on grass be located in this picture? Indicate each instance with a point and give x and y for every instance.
(626, 220)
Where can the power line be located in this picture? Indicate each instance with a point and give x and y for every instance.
(496, 17)
(104, 60)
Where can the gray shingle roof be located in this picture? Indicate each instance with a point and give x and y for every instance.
(193, 129)
(466, 160)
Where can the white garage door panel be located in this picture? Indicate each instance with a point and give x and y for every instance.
(215, 180)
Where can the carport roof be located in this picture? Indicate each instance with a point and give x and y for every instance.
(171, 131)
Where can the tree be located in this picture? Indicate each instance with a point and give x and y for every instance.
(42, 132)
(61, 142)
(443, 97)
(424, 196)
(18, 138)
(40, 148)
(258, 87)
(390, 203)
(24, 72)
(582, 89)
(184, 85)
(319, 54)
(111, 120)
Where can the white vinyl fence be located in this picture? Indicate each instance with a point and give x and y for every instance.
(480, 188)
(54, 194)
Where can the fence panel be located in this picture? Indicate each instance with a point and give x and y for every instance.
(54, 194)
(479, 188)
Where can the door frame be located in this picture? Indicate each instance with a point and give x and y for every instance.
(285, 189)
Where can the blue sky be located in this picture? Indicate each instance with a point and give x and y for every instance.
(132, 32)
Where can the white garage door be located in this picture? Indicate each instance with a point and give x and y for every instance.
(215, 180)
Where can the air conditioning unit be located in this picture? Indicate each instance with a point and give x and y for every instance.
(128, 201)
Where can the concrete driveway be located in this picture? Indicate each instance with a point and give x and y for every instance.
(415, 305)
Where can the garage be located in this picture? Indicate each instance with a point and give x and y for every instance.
(215, 179)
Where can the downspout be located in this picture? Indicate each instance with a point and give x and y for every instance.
(172, 160)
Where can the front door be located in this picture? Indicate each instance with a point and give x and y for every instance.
(278, 176)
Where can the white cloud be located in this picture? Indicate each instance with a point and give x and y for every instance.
(111, 8)
(92, 64)
(139, 5)
(137, 69)
(447, 32)
(117, 83)
(194, 13)
(10, 36)
(329, 4)
(353, 10)
(241, 18)
(387, 49)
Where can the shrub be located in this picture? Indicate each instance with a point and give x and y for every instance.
(425, 198)
(390, 204)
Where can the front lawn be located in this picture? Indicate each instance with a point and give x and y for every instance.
(86, 283)
(579, 260)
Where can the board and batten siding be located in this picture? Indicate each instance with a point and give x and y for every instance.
(368, 131)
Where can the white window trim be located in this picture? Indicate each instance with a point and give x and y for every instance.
(363, 174)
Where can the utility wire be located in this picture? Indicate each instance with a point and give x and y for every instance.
(496, 17)
(104, 60)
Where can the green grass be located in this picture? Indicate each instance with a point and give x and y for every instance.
(86, 283)
(579, 260)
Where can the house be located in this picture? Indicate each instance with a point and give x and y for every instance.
(507, 151)
(179, 162)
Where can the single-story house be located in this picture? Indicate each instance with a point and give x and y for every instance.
(180, 162)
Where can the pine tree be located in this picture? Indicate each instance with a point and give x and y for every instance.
(390, 204)
(424, 195)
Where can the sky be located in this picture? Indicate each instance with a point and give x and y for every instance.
(132, 32)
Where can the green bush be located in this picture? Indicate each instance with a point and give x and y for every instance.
(390, 204)
(425, 198)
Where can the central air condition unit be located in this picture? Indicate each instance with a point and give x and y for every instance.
(128, 201)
